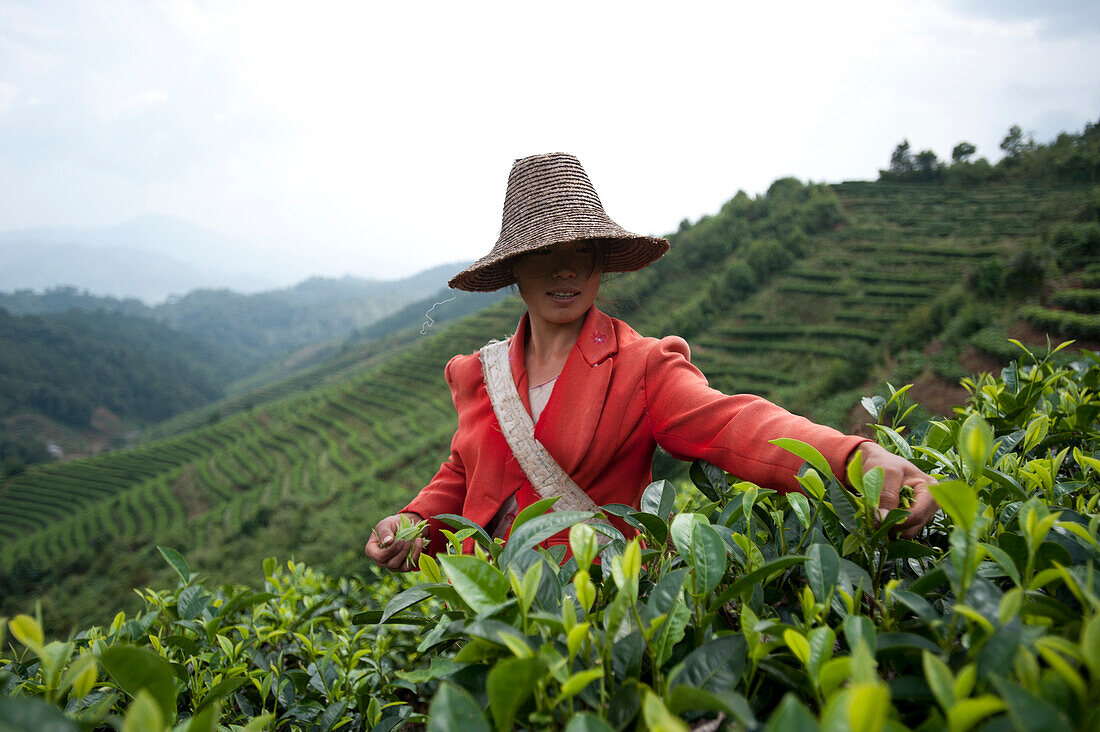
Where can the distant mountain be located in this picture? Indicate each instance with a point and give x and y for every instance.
(115, 271)
(150, 257)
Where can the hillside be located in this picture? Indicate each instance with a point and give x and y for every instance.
(798, 295)
(67, 353)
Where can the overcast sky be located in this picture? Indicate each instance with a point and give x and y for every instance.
(376, 138)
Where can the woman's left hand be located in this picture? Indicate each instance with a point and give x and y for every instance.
(898, 472)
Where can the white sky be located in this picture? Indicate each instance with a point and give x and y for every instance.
(376, 138)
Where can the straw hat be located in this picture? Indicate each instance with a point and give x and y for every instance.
(549, 201)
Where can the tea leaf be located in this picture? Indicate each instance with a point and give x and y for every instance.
(144, 715)
(454, 710)
(509, 684)
(868, 707)
(807, 453)
(586, 722)
(176, 561)
(136, 669)
(958, 500)
(536, 530)
(709, 479)
(575, 684)
(482, 586)
(715, 666)
(822, 570)
(975, 443)
(708, 557)
(792, 716)
(659, 498)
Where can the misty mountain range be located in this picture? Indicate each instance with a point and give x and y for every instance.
(150, 258)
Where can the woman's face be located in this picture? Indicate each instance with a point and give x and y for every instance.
(559, 284)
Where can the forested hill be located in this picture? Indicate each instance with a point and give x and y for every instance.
(64, 354)
(64, 366)
(258, 327)
(811, 295)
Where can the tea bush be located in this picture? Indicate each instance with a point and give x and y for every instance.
(738, 605)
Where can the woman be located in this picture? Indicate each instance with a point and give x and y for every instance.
(600, 396)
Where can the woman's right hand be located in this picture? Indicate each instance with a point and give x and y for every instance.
(396, 556)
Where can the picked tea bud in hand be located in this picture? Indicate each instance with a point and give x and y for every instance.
(407, 531)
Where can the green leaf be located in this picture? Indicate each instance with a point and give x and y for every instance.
(801, 507)
(872, 486)
(403, 601)
(454, 710)
(1029, 713)
(482, 586)
(708, 557)
(27, 631)
(177, 562)
(510, 683)
(671, 632)
(689, 698)
(758, 576)
(138, 669)
(716, 665)
(968, 712)
(657, 716)
(859, 629)
(538, 508)
(798, 645)
(653, 524)
(1090, 644)
(536, 530)
(332, 716)
(843, 504)
(792, 716)
(709, 479)
(682, 530)
(144, 715)
(854, 469)
(822, 570)
(587, 722)
(204, 721)
(222, 689)
(808, 453)
(258, 724)
(575, 684)
(439, 668)
(940, 680)
(958, 500)
(81, 675)
(461, 522)
(19, 713)
(868, 707)
(975, 443)
(658, 499)
(821, 642)
(1000, 556)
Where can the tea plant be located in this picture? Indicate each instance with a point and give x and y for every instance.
(737, 606)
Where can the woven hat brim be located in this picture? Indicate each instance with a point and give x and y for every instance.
(627, 252)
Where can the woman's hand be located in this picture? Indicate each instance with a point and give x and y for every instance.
(386, 551)
(898, 472)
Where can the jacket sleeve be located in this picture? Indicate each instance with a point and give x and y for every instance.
(692, 421)
(446, 491)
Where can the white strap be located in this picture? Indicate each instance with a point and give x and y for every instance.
(546, 476)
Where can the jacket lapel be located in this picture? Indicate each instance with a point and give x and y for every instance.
(569, 421)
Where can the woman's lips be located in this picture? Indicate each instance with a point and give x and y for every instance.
(563, 295)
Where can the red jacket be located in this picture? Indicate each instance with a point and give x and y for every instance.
(619, 395)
